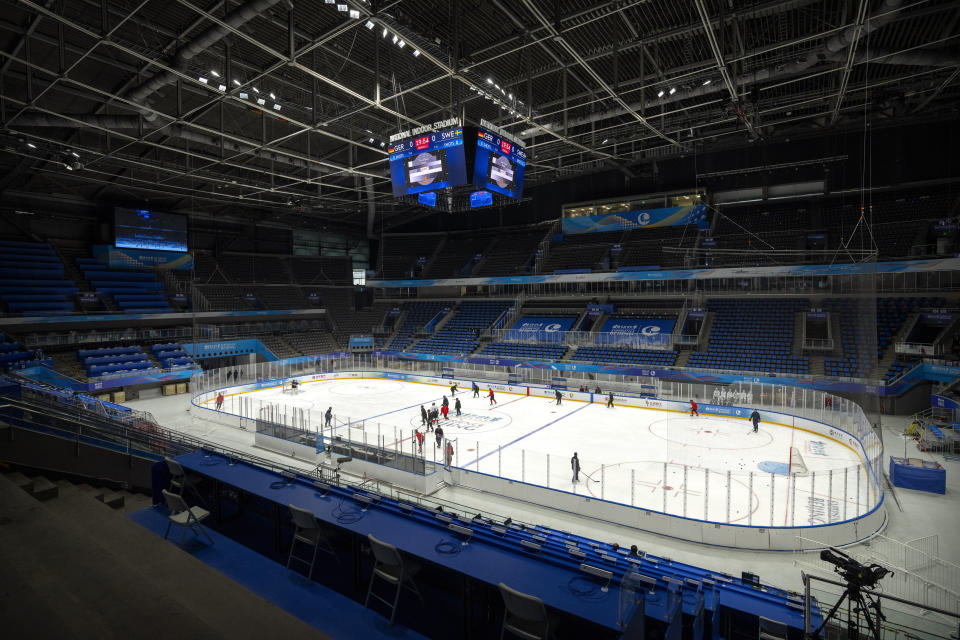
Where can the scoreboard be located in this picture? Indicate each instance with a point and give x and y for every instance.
(499, 164)
(428, 162)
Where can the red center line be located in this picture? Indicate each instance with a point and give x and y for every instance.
(497, 406)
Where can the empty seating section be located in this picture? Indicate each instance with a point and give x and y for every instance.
(132, 291)
(115, 360)
(250, 268)
(581, 251)
(512, 253)
(400, 255)
(171, 355)
(339, 304)
(857, 339)
(278, 346)
(225, 297)
(311, 342)
(457, 254)
(278, 297)
(628, 356)
(752, 335)
(646, 246)
(206, 269)
(461, 332)
(417, 315)
(12, 355)
(523, 351)
(32, 280)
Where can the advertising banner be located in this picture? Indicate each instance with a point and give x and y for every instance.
(631, 330)
(540, 328)
(640, 219)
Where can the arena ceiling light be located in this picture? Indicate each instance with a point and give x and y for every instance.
(416, 53)
(31, 145)
(706, 82)
(673, 90)
(369, 24)
(401, 44)
(255, 90)
(276, 107)
(261, 101)
(222, 87)
(214, 73)
(203, 80)
(354, 14)
(75, 154)
(236, 82)
(371, 140)
(385, 32)
(342, 8)
(244, 95)
(395, 38)
(660, 93)
(272, 96)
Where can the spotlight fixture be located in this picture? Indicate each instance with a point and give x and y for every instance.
(510, 96)
(605, 141)
(673, 90)
(401, 44)
(342, 8)
(706, 82)
(489, 80)
(382, 145)
(203, 80)
(75, 154)
(214, 73)
(660, 93)
(276, 107)
(272, 96)
(261, 101)
(385, 32)
(222, 87)
(395, 38)
(255, 90)
(236, 82)
(369, 24)
(31, 145)
(67, 167)
(354, 14)
(416, 53)
(330, 1)
(244, 95)
(371, 140)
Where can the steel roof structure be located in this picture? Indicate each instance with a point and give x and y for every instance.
(241, 107)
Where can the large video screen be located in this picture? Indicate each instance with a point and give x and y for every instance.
(499, 164)
(429, 162)
(142, 229)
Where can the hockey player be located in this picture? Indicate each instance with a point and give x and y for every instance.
(492, 399)
(575, 465)
(220, 400)
(445, 410)
(423, 416)
(328, 416)
(476, 390)
(295, 384)
(453, 389)
(610, 401)
(449, 453)
(456, 405)
(755, 419)
(750, 397)
(439, 434)
(693, 409)
(445, 403)
(432, 416)
(716, 396)
(419, 441)
(558, 395)
(229, 375)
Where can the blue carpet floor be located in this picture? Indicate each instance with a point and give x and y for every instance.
(326, 610)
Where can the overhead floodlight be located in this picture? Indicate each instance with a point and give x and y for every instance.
(383, 144)
(222, 87)
(272, 96)
(401, 44)
(75, 154)
(489, 80)
(369, 24)
(244, 95)
(31, 145)
(706, 82)
(605, 141)
(510, 96)
(261, 101)
(276, 107)
(255, 90)
(673, 90)
(342, 7)
(660, 93)
(67, 167)
(236, 82)
(371, 140)
(214, 73)
(395, 38)
(203, 80)
(354, 14)
(330, 1)
(416, 53)
(385, 32)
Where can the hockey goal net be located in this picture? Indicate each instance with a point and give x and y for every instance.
(797, 465)
(288, 387)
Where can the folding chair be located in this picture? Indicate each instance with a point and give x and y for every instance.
(772, 630)
(308, 531)
(181, 482)
(185, 517)
(389, 567)
(525, 615)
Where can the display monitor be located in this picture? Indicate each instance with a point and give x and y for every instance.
(499, 164)
(429, 162)
(427, 198)
(481, 199)
(143, 229)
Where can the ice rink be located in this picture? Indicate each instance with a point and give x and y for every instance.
(708, 467)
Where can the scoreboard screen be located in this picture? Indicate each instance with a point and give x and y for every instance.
(499, 164)
(433, 161)
(481, 199)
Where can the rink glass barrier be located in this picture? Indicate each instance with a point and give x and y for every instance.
(783, 498)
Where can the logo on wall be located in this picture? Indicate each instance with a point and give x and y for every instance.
(650, 330)
(643, 218)
(552, 328)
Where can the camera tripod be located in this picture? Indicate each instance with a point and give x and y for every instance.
(864, 604)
